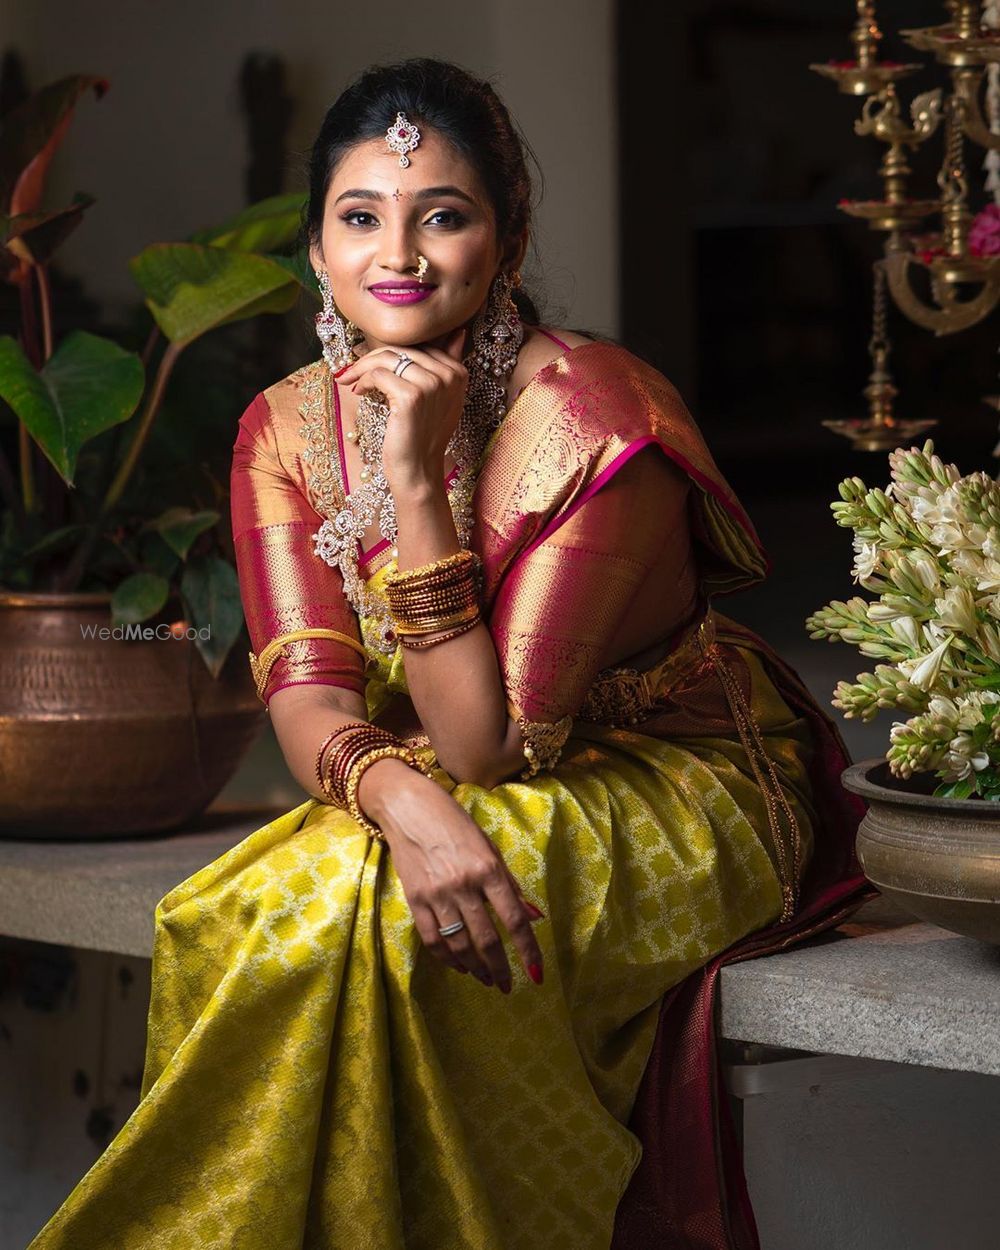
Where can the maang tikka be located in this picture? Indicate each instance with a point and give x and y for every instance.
(402, 137)
(496, 337)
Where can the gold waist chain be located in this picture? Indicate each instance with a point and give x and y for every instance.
(770, 787)
(627, 696)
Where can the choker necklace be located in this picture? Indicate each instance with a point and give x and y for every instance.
(497, 334)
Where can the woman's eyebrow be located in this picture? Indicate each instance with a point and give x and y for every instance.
(425, 193)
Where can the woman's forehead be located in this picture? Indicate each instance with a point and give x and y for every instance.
(434, 163)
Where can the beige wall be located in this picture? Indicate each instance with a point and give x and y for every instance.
(164, 151)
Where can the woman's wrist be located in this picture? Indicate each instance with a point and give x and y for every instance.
(386, 789)
(417, 487)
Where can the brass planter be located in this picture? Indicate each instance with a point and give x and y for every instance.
(107, 737)
(937, 858)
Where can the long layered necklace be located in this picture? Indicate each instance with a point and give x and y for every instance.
(496, 341)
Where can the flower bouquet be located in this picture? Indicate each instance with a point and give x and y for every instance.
(929, 547)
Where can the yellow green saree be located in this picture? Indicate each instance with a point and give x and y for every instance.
(315, 1080)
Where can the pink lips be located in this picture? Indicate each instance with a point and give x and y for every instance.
(401, 292)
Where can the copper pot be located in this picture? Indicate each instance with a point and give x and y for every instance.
(937, 858)
(104, 737)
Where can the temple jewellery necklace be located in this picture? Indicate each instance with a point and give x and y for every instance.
(497, 334)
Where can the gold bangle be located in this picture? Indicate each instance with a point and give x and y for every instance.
(431, 624)
(347, 752)
(334, 733)
(358, 770)
(261, 665)
(401, 576)
(433, 642)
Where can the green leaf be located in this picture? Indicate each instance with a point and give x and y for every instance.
(267, 226)
(211, 593)
(56, 541)
(300, 267)
(138, 597)
(88, 385)
(991, 682)
(191, 289)
(963, 789)
(156, 557)
(179, 527)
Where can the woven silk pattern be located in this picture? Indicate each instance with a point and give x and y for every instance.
(314, 1079)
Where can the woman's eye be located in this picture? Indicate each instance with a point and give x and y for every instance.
(358, 212)
(453, 218)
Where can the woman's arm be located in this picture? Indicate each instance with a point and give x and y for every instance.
(557, 617)
(562, 605)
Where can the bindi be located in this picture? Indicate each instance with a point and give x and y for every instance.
(395, 194)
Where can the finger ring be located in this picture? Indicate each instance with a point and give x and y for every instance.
(401, 364)
(449, 929)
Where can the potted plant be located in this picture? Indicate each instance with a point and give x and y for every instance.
(125, 704)
(928, 548)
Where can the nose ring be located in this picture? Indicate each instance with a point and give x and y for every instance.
(422, 267)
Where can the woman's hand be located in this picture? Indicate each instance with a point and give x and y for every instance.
(449, 870)
(426, 403)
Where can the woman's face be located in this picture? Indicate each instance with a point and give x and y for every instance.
(379, 217)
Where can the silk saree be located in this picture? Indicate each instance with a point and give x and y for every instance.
(314, 1078)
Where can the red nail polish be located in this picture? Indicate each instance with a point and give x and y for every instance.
(536, 911)
(535, 973)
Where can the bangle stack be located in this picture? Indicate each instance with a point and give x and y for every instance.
(356, 746)
(436, 597)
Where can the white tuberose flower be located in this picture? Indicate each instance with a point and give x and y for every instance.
(957, 609)
(961, 761)
(923, 672)
(866, 560)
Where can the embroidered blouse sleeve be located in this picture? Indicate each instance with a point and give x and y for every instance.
(284, 586)
(561, 606)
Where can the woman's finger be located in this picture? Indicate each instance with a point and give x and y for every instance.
(460, 944)
(503, 897)
(388, 357)
(402, 390)
(487, 941)
(427, 926)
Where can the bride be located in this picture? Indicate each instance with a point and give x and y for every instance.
(550, 786)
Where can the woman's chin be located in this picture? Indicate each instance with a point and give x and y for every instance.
(409, 331)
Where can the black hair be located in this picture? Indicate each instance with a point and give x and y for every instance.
(465, 110)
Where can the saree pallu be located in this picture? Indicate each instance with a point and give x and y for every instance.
(315, 1079)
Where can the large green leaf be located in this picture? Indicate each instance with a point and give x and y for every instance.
(88, 385)
(179, 527)
(299, 267)
(211, 591)
(267, 226)
(31, 134)
(191, 289)
(138, 598)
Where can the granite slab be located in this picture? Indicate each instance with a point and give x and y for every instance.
(101, 895)
(882, 986)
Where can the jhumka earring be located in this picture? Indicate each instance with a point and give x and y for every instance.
(402, 137)
(336, 333)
